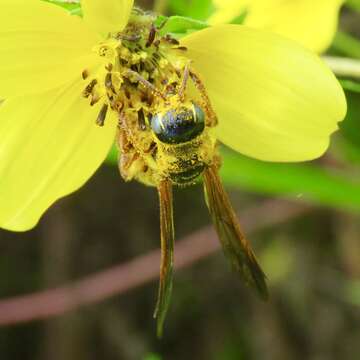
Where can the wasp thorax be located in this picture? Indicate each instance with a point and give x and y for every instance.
(176, 126)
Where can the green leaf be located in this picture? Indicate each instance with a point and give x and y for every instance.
(176, 25)
(305, 181)
(349, 135)
(350, 85)
(197, 9)
(354, 4)
(346, 44)
(152, 356)
(239, 19)
(351, 291)
(73, 7)
(112, 157)
(308, 182)
(180, 25)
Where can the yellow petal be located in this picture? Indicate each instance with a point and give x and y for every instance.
(41, 47)
(227, 10)
(275, 100)
(49, 147)
(107, 15)
(311, 23)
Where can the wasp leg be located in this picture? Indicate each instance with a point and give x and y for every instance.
(127, 155)
(167, 250)
(130, 74)
(129, 161)
(124, 125)
(211, 115)
(129, 123)
(132, 38)
(134, 125)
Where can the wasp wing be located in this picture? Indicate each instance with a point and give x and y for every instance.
(167, 251)
(235, 246)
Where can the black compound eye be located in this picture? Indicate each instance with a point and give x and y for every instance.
(177, 126)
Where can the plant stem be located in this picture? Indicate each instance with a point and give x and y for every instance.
(136, 272)
(343, 67)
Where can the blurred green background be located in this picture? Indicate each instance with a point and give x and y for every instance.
(312, 260)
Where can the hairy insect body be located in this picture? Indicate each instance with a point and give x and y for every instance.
(166, 137)
(175, 144)
(183, 163)
(164, 133)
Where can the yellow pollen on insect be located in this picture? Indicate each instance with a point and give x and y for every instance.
(135, 65)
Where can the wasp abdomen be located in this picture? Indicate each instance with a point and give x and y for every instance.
(187, 176)
(177, 126)
(184, 162)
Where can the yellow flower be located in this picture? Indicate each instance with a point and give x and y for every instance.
(275, 101)
(311, 23)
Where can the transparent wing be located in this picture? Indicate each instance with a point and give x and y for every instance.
(235, 246)
(167, 251)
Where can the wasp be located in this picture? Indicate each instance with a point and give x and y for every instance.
(166, 138)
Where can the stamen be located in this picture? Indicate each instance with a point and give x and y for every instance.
(141, 120)
(182, 48)
(151, 37)
(109, 83)
(94, 99)
(168, 38)
(102, 115)
(85, 74)
(89, 89)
